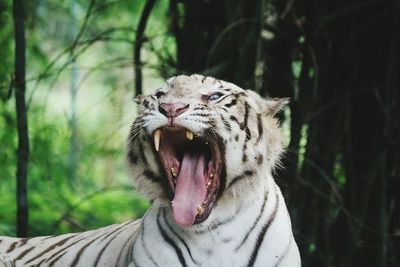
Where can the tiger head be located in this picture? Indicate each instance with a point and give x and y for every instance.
(198, 140)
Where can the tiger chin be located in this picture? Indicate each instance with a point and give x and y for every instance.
(203, 151)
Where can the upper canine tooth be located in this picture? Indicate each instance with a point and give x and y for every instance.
(200, 210)
(189, 135)
(174, 172)
(157, 136)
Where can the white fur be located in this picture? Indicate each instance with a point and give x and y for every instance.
(242, 201)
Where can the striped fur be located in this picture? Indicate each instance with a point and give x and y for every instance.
(249, 224)
(108, 246)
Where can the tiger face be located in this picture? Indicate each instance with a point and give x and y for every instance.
(198, 140)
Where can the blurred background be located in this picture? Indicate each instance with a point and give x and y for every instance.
(69, 70)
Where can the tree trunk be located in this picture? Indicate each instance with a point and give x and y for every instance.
(22, 122)
(218, 38)
(139, 40)
(340, 64)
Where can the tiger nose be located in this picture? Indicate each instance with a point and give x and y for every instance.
(171, 110)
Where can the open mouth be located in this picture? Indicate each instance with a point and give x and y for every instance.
(193, 167)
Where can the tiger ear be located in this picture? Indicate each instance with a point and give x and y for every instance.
(139, 99)
(274, 105)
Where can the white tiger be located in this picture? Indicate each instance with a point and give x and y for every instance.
(203, 150)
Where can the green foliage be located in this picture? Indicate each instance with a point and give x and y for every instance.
(100, 40)
(100, 196)
(7, 169)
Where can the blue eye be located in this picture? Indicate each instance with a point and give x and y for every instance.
(214, 96)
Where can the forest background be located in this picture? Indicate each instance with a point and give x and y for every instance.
(70, 68)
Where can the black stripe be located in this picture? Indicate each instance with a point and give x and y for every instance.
(133, 158)
(215, 225)
(151, 175)
(226, 124)
(82, 249)
(145, 247)
(240, 94)
(260, 127)
(128, 257)
(197, 120)
(102, 250)
(51, 264)
(285, 252)
(233, 118)
(170, 241)
(23, 253)
(23, 241)
(146, 103)
(244, 156)
(259, 159)
(248, 134)
(246, 116)
(240, 177)
(133, 129)
(232, 103)
(221, 99)
(212, 123)
(130, 245)
(200, 114)
(42, 261)
(132, 259)
(59, 243)
(254, 224)
(47, 237)
(179, 237)
(108, 242)
(65, 249)
(12, 247)
(262, 233)
(200, 108)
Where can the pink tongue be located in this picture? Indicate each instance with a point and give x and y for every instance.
(190, 190)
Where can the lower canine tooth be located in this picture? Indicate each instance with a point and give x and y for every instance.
(174, 172)
(200, 210)
(157, 137)
(189, 135)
